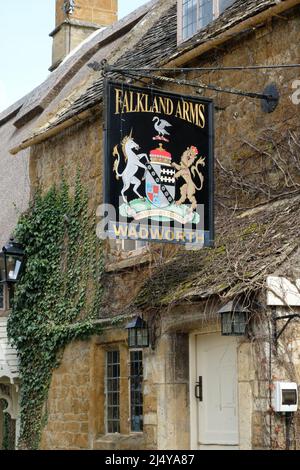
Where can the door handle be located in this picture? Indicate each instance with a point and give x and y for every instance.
(199, 389)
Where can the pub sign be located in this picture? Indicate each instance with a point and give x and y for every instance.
(158, 166)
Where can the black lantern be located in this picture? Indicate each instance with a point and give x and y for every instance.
(234, 319)
(138, 333)
(11, 262)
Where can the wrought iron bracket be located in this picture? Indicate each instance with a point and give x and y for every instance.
(277, 333)
(269, 98)
(102, 66)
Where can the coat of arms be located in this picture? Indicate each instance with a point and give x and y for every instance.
(156, 189)
(158, 165)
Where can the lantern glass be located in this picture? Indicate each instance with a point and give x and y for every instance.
(11, 261)
(138, 334)
(139, 337)
(239, 323)
(132, 338)
(2, 268)
(234, 324)
(143, 337)
(13, 264)
(226, 324)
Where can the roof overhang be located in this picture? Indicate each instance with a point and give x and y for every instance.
(184, 57)
(181, 58)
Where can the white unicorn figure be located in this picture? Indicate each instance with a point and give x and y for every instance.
(133, 164)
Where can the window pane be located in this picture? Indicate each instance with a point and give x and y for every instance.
(223, 4)
(132, 337)
(129, 245)
(196, 14)
(133, 245)
(206, 14)
(136, 390)
(189, 18)
(113, 391)
(140, 244)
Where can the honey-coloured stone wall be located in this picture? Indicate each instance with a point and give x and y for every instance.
(240, 147)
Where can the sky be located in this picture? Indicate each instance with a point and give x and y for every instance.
(25, 45)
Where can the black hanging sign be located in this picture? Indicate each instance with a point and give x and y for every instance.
(158, 166)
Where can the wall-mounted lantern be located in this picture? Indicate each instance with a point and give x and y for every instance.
(11, 262)
(138, 333)
(234, 318)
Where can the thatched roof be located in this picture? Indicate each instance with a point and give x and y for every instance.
(248, 248)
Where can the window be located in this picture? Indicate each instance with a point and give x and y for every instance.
(123, 249)
(1, 296)
(136, 391)
(194, 15)
(132, 245)
(113, 391)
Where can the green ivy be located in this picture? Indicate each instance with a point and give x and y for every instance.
(58, 297)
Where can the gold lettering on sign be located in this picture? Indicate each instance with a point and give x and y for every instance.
(201, 116)
(155, 108)
(125, 108)
(131, 101)
(136, 102)
(118, 100)
(140, 107)
(170, 107)
(186, 111)
(147, 103)
(179, 111)
(163, 105)
(193, 111)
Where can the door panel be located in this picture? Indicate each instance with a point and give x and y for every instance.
(217, 413)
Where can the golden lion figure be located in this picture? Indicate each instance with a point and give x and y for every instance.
(186, 170)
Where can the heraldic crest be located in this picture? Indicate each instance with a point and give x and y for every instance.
(155, 187)
(158, 181)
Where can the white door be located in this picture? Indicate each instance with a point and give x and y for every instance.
(216, 392)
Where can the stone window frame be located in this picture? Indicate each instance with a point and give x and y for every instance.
(109, 341)
(104, 345)
(180, 14)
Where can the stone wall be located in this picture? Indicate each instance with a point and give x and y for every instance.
(101, 12)
(71, 30)
(66, 39)
(75, 405)
(76, 402)
(78, 148)
(68, 402)
(241, 126)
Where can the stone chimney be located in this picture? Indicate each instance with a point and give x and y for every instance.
(75, 21)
